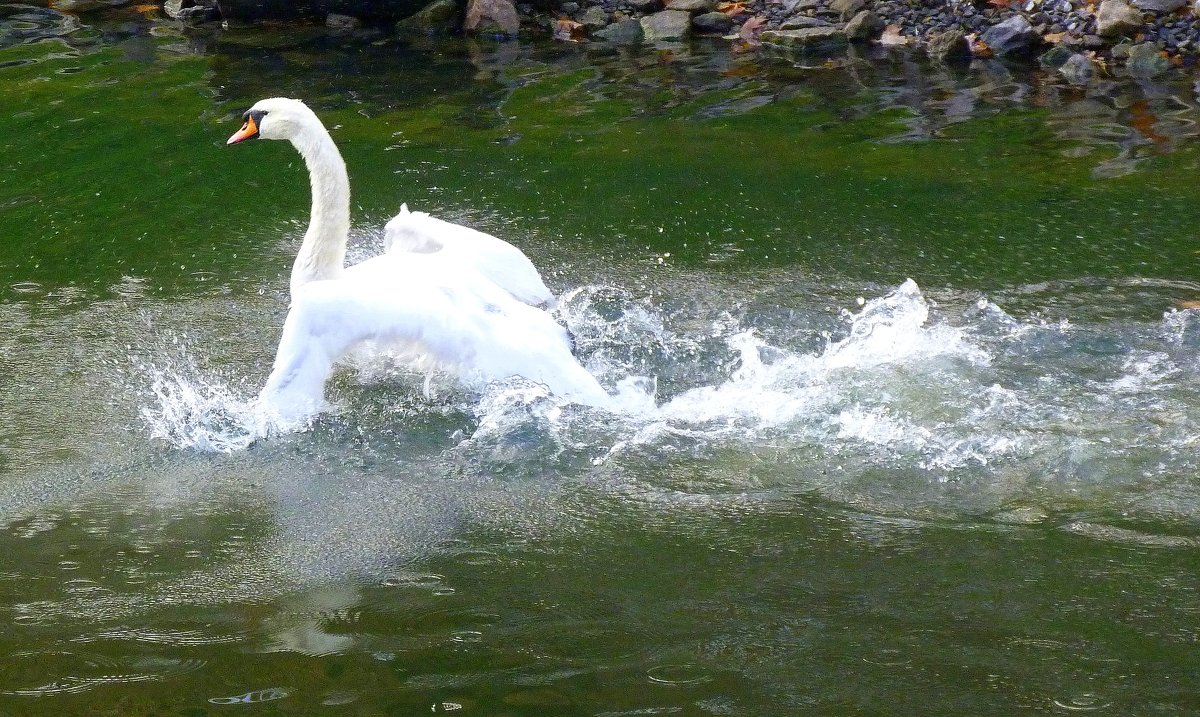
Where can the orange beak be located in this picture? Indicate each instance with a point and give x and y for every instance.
(249, 130)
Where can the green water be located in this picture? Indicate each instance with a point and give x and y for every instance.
(991, 510)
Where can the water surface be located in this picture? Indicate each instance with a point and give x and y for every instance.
(909, 411)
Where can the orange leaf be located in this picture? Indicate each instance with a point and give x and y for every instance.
(732, 9)
(567, 29)
(1053, 38)
(979, 48)
(751, 28)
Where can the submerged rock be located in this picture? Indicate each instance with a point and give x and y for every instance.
(1077, 69)
(1146, 60)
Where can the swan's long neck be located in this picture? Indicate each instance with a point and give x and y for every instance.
(323, 253)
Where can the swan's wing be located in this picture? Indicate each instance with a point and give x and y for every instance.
(501, 262)
(464, 326)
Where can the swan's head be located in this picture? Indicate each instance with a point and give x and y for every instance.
(275, 118)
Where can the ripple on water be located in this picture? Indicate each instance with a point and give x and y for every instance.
(1084, 702)
(678, 675)
(37, 673)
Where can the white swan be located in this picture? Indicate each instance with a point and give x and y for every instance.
(323, 252)
(430, 303)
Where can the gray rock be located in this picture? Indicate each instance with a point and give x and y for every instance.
(1055, 57)
(866, 25)
(1146, 60)
(667, 25)
(644, 5)
(807, 38)
(695, 7)
(949, 46)
(78, 6)
(1160, 6)
(492, 17)
(172, 8)
(569, 8)
(439, 16)
(316, 9)
(847, 8)
(713, 22)
(625, 32)
(1014, 36)
(594, 18)
(799, 21)
(1077, 69)
(1115, 18)
(342, 23)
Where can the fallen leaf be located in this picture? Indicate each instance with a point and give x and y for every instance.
(732, 9)
(1189, 304)
(891, 36)
(999, 3)
(567, 29)
(1053, 38)
(751, 29)
(147, 9)
(979, 48)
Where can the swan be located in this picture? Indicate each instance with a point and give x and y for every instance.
(322, 254)
(425, 295)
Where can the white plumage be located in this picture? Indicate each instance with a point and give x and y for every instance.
(464, 301)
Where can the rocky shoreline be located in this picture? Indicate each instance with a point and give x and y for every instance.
(1078, 38)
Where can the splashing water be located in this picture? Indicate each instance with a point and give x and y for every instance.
(898, 386)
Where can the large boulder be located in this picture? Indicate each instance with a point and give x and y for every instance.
(317, 9)
(1160, 6)
(693, 6)
(949, 46)
(847, 8)
(806, 38)
(625, 32)
(1013, 37)
(713, 22)
(439, 16)
(866, 25)
(1116, 17)
(492, 17)
(667, 25)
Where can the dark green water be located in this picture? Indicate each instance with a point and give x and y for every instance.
(974, 494)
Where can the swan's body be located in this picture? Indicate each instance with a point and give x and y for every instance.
(425, 293)
(501, 262)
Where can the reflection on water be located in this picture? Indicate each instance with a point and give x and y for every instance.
(824, 489)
